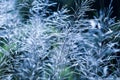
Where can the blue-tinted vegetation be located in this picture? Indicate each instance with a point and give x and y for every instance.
(54, 40)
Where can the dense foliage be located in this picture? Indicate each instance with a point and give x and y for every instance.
(59, 46)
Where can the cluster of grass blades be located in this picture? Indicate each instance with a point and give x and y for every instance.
(58, 47)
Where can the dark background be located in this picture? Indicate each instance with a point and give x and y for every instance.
(101, 4)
